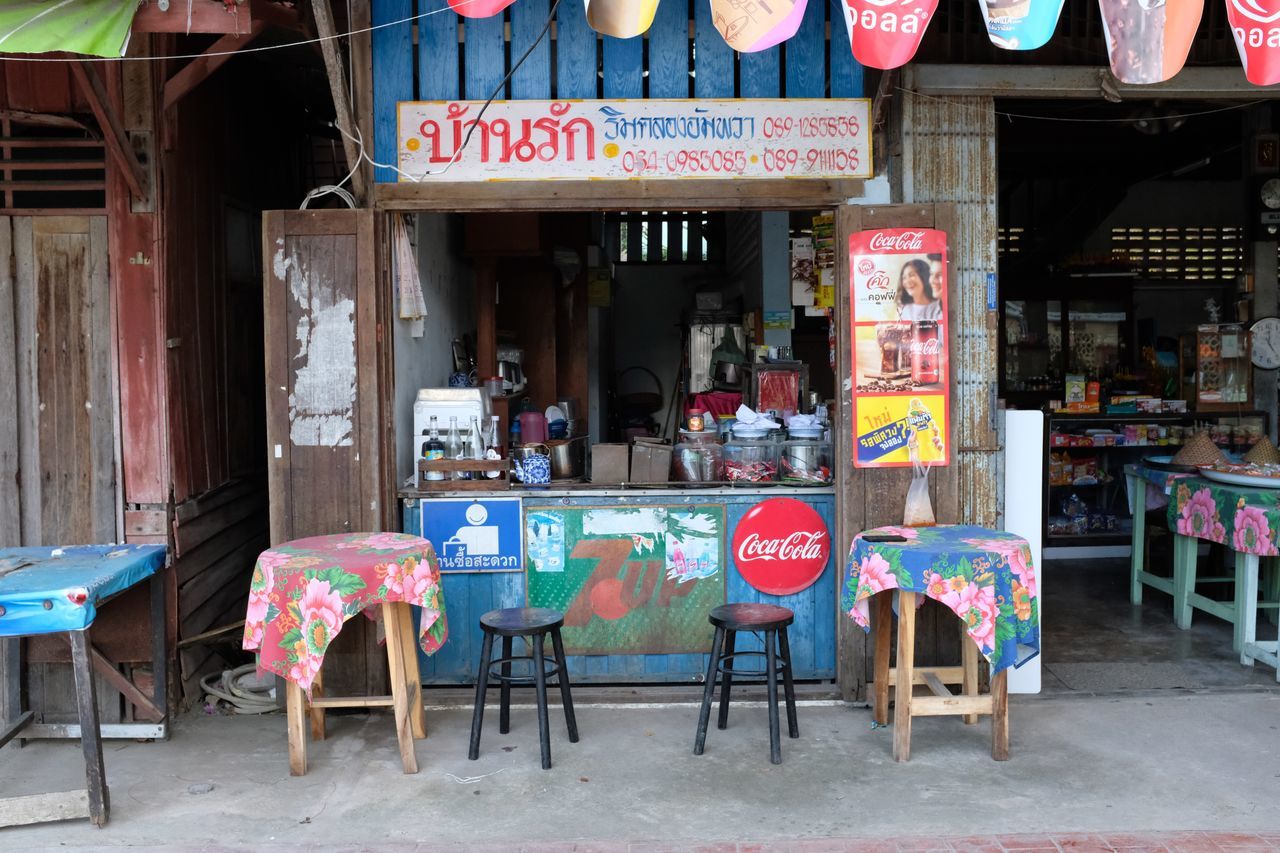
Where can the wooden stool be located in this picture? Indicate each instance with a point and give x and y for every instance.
(728, 620)
(405, 699)
(534, 623)
(906, 675)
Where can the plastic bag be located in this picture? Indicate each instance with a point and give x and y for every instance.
(919, 509)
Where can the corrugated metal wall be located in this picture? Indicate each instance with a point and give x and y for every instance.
(949, 155)
(454, 58)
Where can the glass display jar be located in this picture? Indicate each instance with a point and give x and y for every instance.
(697, 458)
(751, 460)
(806, 461)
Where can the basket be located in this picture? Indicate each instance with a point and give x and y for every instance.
(1264, 452)
(1199, 450)
(475, 466)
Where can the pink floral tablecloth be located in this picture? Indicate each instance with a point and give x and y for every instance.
(984, 576)
(1244, 519)
(303, 591)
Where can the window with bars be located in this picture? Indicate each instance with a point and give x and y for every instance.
(51, 164)
(652, 237)
(1211, 253)
(1009, 239)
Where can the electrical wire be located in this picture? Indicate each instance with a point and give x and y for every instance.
(359, 137)
(261, 49)
(1129, 120)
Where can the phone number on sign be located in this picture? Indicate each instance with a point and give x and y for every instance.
(811, 127)
(775, 161)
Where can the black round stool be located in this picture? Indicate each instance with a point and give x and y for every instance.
(729, 619)
(534, 623)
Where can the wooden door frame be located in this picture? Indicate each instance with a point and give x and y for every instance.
(874, 497)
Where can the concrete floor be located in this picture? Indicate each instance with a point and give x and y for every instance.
(1095, 641)
(1141, 727)
(1159, 761)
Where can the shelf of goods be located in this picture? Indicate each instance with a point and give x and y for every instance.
(1085, 498)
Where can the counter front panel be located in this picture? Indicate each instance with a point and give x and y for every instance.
(668, 557)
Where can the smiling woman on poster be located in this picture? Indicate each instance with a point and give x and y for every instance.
(915, 297)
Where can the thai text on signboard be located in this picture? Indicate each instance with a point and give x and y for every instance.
(622, 139)
(482, 535)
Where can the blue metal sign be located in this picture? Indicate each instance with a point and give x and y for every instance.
(475, 535)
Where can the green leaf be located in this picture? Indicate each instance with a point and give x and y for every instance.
(273, 613)
(342, 582)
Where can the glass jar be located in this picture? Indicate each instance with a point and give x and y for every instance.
(806, 461)
(751, 460)
(697, 458)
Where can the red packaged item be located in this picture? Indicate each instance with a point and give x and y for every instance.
(886, 33)
(1256, 27)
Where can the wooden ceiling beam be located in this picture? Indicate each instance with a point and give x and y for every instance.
(338, 90)
(113, 136)
(201, 68)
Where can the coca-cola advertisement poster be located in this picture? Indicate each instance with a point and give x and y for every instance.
(898, 299)
(629, 580)
(781, 546)
(1255, 24)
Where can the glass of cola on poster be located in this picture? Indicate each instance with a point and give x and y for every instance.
(925, 348)
(890, 338)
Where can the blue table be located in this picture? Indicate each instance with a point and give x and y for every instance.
(49, 590)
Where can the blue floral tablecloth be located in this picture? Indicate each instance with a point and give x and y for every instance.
(984, 576)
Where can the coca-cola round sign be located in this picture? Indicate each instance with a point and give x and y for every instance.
(781, 546)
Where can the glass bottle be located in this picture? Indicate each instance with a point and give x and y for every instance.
(453, 447)
(493, 449)
(475, 448)
(433, 449)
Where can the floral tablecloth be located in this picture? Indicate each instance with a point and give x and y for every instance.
(303, 591)
(984, 576)
(1244, 519)
(1158, 484)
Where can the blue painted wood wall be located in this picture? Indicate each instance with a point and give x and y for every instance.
(581, 64)
(469, 595)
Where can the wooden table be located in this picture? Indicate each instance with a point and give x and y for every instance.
(986, 578)
(301, 594)
(54, 590)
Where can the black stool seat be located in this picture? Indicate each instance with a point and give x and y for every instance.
(772, 621)
(521, 621)
(751, 617)
(534, 624)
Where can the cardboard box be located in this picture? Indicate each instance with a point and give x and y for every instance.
(609, 463)
(650, 462)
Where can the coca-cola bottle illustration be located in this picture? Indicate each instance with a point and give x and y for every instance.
(924, 353)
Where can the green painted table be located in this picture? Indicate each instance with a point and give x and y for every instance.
(1246, 520)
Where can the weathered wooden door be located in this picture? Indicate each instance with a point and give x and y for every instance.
(324, 366)
(57, 399)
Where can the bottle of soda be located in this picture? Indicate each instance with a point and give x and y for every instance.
(475, 444)
(433, 449)
(453, 447)
(925, 352)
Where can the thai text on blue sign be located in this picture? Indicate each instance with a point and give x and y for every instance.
(475, 534)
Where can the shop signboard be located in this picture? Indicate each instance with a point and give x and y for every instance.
(1256, 27)
(629, 580)
(898, 300)
(474, 535)
(626, 139)
(781, 546)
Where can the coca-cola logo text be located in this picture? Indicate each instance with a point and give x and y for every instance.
(800, 545)
(903, 241)
(1256, 11)
(926, 347)
(781, 546)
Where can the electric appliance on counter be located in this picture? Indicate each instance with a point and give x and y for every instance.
(445, 403)
(511, 368)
